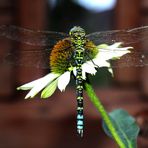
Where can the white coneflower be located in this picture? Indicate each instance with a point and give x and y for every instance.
(60, 77)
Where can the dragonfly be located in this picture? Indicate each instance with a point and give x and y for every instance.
(48, 39)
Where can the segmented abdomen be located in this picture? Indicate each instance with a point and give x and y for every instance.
(79, 90)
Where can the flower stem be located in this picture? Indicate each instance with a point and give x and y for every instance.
(96, 101)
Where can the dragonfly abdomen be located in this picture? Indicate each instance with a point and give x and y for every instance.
(79, 89)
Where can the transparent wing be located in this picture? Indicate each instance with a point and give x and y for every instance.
(133, 59)
(40, 58)
(126, 36)
(29, 58)
(36, 38)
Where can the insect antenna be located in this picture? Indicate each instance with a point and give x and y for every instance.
(96, 66)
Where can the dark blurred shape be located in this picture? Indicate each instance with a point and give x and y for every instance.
(67, 14)
(142, 120)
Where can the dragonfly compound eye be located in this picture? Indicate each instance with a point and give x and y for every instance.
(77, 31)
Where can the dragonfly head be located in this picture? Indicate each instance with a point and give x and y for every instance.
(77, 35)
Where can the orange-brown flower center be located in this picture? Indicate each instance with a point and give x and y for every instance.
(61, 57)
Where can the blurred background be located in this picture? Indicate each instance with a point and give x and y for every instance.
(51, 123)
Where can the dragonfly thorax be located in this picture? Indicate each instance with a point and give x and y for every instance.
(78, 36)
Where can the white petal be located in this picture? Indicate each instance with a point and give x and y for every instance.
(110, 54)
(29, 85)
(112, 51)
(63, 80)
(101, 62)
(89, 68)
(40, 84)
(74, 71)
(111, 71)
(83, 74)
(115, 45)
(35, 82)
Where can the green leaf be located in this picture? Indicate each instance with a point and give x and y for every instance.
(50, 89)
(125, 126)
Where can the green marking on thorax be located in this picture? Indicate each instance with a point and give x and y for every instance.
(77, 43)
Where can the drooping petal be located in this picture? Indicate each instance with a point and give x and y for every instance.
(101, 62)
(116, 45)
(88, 67)
(83, 75)
(29, 85)
(43, 82)
(63, 80)
(50, 89)
(106, 53)
(112, 51)
(111, 71)
(111, 54)
(74, 71)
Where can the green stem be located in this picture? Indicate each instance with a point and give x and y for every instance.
(96, 101)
